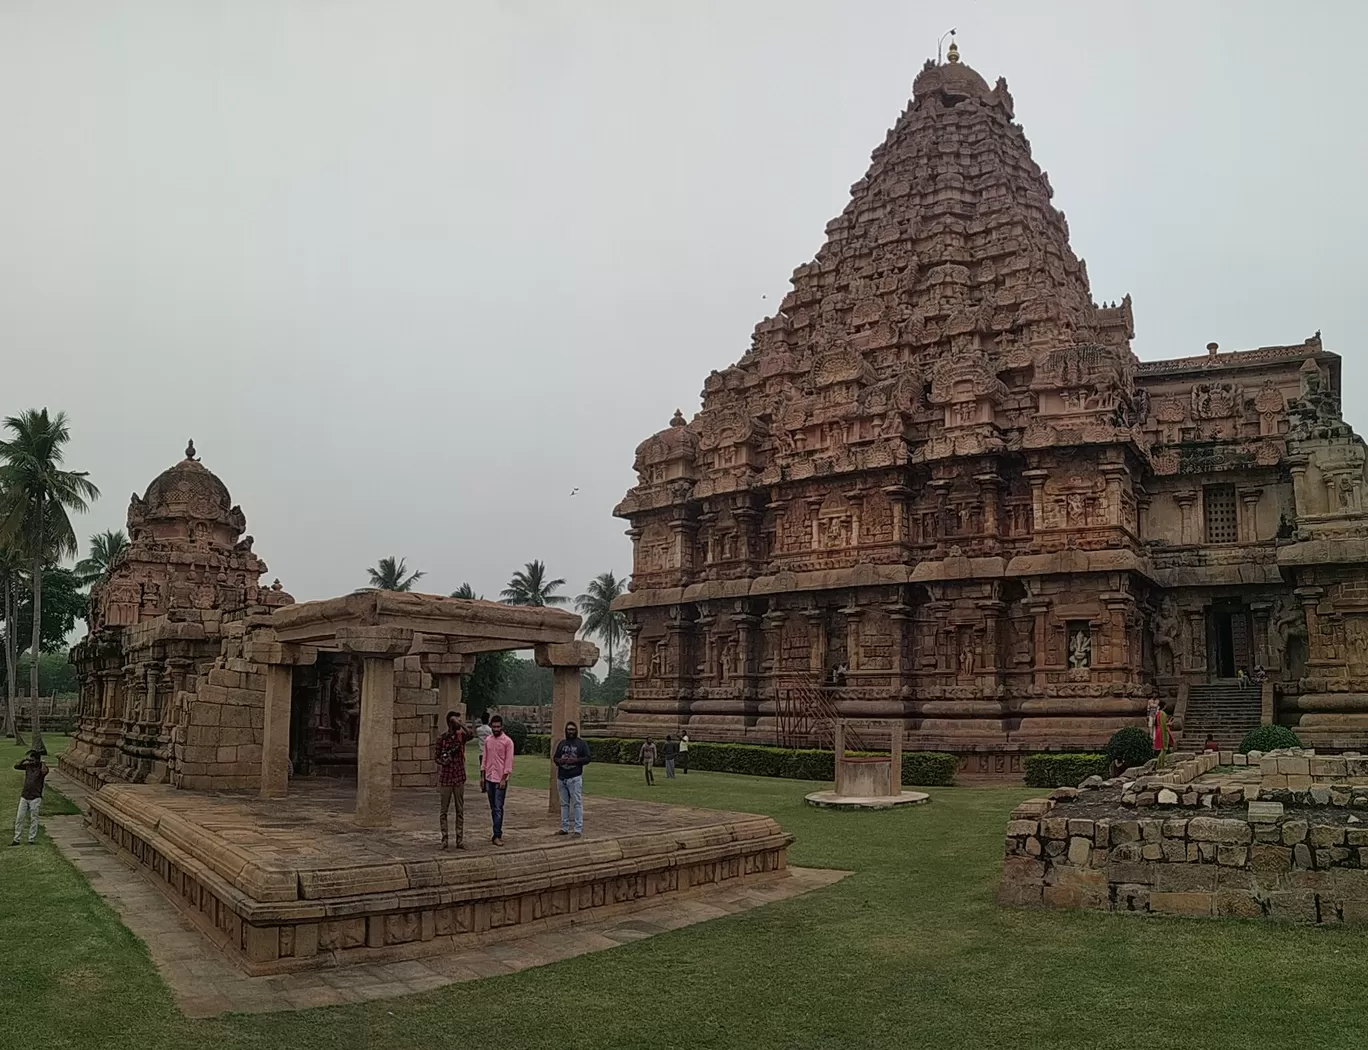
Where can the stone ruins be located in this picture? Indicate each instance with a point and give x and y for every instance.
(940, 487)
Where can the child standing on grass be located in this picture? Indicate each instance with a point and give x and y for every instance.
(31, 797)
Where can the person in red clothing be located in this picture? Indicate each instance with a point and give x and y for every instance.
(451, 773)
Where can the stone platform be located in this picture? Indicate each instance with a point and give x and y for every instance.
(831, 800)
(292, 883)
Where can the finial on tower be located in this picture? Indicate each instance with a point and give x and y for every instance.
(678, 419)
(190, 449)
(953, 54)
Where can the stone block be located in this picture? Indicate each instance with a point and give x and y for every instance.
(262, 943)
(1214, 829)
(1151, 830)
(1301, 855)
(306, 940)
(1270, 860)
(1265, 812)
(1293, 906)
(1183, 904)
(1298, 783)
(1238, 904)
(1328, 766)
(1137, 872)
(1015, 894)
(1294, 831)
(1084, 828)
(1175, 829)
(1167, 797)
(1023, 869)
(1080, 850)
(1332, 856)
(1054, 828)
(1354, 911)
(1232, 856)
(1240, 760)
(1294, 766)
(1184, 878)
(1124, 831)
(1206, 851)
(1019, 828)
(1323, 835)
(1102, 834)
(1175, 851)
(1152, 851)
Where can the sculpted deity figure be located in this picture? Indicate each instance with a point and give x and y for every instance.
(1289, 622)
(966, 660)
(1168, 629)
(1080, 651)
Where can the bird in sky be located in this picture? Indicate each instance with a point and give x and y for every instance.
(574, 490)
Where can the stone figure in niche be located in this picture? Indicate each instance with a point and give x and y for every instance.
(660, 660)
(726, 659)
(966, 659)
(1288, 626)
(835, 533)
(1168, 629)
(1080, 651)
(1075, 509)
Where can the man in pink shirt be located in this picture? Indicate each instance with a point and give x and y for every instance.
(497, 766)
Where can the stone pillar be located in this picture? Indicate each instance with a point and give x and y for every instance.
(1261, 611)
(567, 661)
(989, 486)
(838, 749)
(895, 742)
(1187, 517)
(1036, 478)
(378, 648)
(852, 613)
(1248, 524)
(897, 497)
(280, 660)
(275, 734)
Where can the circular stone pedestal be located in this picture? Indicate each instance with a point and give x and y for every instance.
(831, 800)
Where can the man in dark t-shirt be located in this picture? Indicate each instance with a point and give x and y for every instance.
(451, 774)
(570, 757)
(31, 797)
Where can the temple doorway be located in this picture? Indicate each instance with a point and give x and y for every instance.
(325, 710)
(1230, 639)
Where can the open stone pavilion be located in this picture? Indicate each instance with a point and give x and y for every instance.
(269, 765)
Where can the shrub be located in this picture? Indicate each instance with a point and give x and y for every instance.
(538, 744)
(929, 768)
(1268, 738)
(1067, 770)
(518, 733)
(1131, 745)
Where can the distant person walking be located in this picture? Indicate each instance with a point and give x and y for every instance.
(647, 759)
(671, 753)
(684, 752)
(498, 767)
(570, 756)
(482, 733)
(30, 796)
(451, 773)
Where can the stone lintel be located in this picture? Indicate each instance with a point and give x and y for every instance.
(567, 654)
(375, 642)
(280, 653)
(447, 664)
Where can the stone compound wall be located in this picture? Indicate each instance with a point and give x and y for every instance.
(1298, 866)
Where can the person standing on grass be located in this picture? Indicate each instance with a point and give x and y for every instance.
(482, 733)
(671, 753)
(31, 796)
(570, 757)
(498, 767)
(647, 759)
(684, 752)
(451, 774)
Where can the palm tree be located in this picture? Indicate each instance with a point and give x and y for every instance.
(33, 517)
(529, 586)
(391, 574)
(464, 591)
(105, 548)
(10, 582)
(595, 605)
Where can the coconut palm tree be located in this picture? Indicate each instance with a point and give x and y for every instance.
(11, 579)
(464, 591)
(105, 548)
(529, 586)
(595, 605)
(37, 495)
(391, 574)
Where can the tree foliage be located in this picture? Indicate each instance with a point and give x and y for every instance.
(391, 574)
(600, 619)
(105, 548)
(529, 586)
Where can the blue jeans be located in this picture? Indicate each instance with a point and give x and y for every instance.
(497, 793)
(572, 799)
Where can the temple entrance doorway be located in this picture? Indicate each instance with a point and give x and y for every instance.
(325, 711)
(1230, 639)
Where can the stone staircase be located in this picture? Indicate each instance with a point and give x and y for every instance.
(1222, 709)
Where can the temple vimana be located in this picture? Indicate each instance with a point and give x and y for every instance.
(940, 487)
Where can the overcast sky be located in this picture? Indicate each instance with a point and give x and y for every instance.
(411, 272)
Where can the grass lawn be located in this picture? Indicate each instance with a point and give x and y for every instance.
(909, 952)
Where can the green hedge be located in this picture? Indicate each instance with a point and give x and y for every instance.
(921, 768)
(1066, 770)
(1269, 738)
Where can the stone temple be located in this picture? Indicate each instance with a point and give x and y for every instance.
(940, 487)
